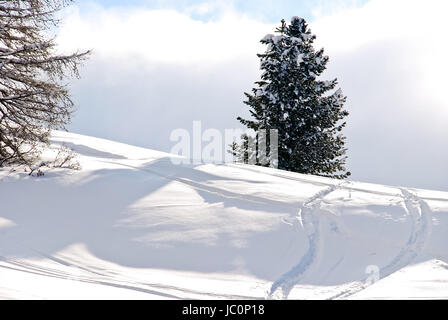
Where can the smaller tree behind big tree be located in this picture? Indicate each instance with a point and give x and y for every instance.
(290, 98)
(32, 99)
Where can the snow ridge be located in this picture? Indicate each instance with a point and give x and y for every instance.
(154, 216)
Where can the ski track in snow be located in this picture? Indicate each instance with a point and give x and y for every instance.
(124, 283)
(279, 175)
(309, 217)
(421, 216)
(203, 187)
(104, 279)
(112, 280)
(311, 220)
(325, 184)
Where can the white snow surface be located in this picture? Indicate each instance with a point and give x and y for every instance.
(133, 225)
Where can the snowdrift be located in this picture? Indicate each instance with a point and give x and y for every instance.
(133, 225)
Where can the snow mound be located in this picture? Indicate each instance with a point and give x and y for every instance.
(131, 224)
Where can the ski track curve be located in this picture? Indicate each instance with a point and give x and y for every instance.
(421, 216)
(309, 218)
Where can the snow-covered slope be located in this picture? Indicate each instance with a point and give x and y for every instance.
(131, 224)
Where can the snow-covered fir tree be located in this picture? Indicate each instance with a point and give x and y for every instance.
(307, 112)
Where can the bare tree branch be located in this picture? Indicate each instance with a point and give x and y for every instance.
(32, 99)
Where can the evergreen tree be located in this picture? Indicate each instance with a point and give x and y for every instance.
(290, 98)
(245, 151)
(32, 99)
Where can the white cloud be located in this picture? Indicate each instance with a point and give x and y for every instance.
(166, 69)
(161, 35)
(390, 59)
(416, 29)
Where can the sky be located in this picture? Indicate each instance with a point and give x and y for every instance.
(263, 10)
(159, 65)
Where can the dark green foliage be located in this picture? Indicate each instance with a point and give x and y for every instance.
(306, 111)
